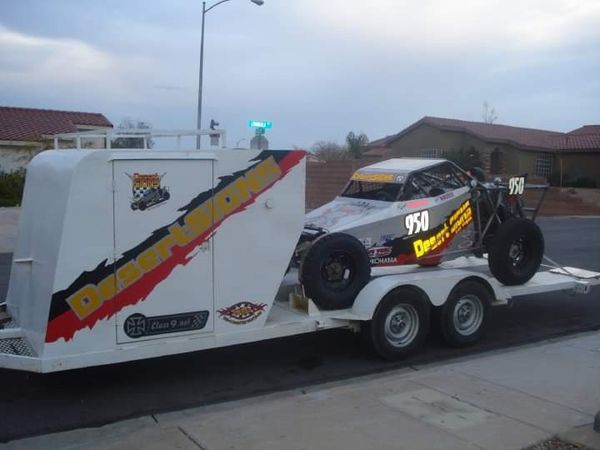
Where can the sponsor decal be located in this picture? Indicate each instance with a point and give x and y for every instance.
(417, 203)
(138, 325)
(374, 177)
(147, 190)
(379, 252)
(457, 222)
(242, 313)
(446, 196)
(367, 242)
(103, 291)
(385, 238)
(389, 261)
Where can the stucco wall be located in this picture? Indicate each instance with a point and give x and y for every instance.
(16, 157)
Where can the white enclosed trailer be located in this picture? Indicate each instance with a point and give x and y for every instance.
(128, 254)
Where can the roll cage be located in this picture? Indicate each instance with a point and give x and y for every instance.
(429, 182)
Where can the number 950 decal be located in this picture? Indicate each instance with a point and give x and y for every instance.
(417, 222)
(516, 185)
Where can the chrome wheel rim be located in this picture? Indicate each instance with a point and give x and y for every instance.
(401, 325)
(468, 315)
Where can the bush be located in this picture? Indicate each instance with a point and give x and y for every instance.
(582, 182)
(11, 187)
(568, 181)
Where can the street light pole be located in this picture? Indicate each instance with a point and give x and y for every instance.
(199, 117)
(200, 75)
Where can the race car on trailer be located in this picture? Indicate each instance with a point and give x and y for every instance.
(96, 281)
(415, 211)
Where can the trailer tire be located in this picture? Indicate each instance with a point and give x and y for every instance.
(463, 318)
(400, 324)
(516, 251)
(336, 267)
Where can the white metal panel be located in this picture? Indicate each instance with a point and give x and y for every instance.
(39, 238)
(253, 247)
(86, 242)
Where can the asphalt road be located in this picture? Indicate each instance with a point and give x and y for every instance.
(35, 404)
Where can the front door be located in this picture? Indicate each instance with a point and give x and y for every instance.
(163, 271)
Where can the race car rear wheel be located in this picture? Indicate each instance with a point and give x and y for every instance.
(334, 270)
(516, 251)
(400, 323)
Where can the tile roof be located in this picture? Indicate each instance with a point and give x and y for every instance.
(587, 129)
(586, 138)
(28, 124)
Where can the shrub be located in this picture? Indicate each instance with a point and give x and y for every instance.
(582, 182)
(11, 187)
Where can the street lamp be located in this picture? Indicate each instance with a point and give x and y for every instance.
(204, 11)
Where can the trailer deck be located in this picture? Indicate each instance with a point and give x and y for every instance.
(292, 314)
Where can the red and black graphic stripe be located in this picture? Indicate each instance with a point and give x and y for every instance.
(64, 322)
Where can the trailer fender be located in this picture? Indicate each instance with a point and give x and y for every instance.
(436, 286)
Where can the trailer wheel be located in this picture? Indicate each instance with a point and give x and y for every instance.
(516, 251)
(400, 324)
(334, 270)
(463, 318)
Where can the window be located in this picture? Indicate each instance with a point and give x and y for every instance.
(543, 165)
(365, 190)
(496, 161)
(432, 153)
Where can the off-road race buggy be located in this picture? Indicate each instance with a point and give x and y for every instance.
(415, 211)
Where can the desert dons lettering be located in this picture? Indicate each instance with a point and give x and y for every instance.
(457, 222)
(108, 288)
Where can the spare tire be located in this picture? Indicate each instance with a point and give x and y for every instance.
(516, 251)
(334, 270)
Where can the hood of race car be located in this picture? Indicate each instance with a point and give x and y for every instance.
(344, 213)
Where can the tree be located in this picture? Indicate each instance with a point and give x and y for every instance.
(488, 114)
(328, 151)
(132, 142)
(356, 145)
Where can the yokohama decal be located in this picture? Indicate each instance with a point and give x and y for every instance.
(105, 290)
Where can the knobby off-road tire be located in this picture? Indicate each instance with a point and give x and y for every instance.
(400, 324)
(516, 251)
(463, 318)
(334, 270)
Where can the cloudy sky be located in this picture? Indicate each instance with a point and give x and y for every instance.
(316, 68)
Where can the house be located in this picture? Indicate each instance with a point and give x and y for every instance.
(501, 149)
(24, 132)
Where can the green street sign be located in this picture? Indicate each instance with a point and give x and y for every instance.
(260, 124)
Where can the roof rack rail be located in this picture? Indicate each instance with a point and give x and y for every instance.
(218, 136)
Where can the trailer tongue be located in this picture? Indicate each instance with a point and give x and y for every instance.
(126, 254)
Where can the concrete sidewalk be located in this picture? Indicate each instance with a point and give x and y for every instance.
(503, 400)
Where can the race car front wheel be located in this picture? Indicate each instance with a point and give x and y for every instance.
(516, 251)
(334, 270)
